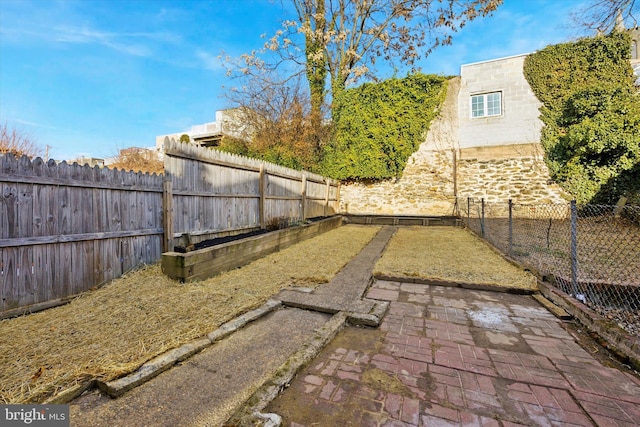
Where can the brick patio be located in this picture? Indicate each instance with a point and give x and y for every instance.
(454, 357)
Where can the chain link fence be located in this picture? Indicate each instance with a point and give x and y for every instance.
(590, 252)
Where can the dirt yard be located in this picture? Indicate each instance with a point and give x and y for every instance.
(450, 255)
(110, 332)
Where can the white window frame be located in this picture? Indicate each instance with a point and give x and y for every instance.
(484, 99)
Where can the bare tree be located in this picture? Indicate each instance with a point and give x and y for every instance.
(272, 119)
(18, 142)
(343, 40)
(138, 160)
(604, 15)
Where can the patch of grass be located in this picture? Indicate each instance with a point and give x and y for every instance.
(110, 332)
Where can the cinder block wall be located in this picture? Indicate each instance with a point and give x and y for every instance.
(518, 123)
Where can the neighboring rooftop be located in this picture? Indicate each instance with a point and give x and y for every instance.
(210, 134)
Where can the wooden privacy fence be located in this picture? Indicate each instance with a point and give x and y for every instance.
(213, 193)
(65, 229)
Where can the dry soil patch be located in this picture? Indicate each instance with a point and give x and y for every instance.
(449, 254)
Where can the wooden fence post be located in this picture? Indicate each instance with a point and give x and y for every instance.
(263, 220)
(326, 196)
(303, 190)
(167, 215)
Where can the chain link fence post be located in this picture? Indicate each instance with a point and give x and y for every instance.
(482, 219)
(574, 248)
(510, 227)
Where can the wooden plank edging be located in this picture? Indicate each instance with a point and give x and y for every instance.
(208, 262)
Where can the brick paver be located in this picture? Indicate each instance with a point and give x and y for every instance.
(464, 357)
(608, 411)
(454, 357)
(600, 380)
(561, 348)
(448, 331)
(529, 368)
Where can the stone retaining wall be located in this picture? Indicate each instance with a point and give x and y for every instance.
(500, 173)
(426, 188)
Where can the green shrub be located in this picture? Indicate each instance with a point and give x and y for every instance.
(379, 125)
(591, 113)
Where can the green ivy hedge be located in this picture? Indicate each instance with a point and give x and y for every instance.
(379, 125)
(591, 116)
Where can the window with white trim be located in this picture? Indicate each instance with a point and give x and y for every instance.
(486, 104)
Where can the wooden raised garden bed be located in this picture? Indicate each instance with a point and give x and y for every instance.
(208, 262)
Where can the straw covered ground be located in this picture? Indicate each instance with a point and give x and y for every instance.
(449, 254)
(112, 331)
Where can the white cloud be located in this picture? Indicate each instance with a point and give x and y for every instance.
(121, 42)
(208, 60)
(30, 123)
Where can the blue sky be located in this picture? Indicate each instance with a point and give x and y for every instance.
(88, 77)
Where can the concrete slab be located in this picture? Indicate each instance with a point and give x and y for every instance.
(207, 388)
(345, 291)
(161, 363)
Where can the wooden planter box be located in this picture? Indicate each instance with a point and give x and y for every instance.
(208, 262)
